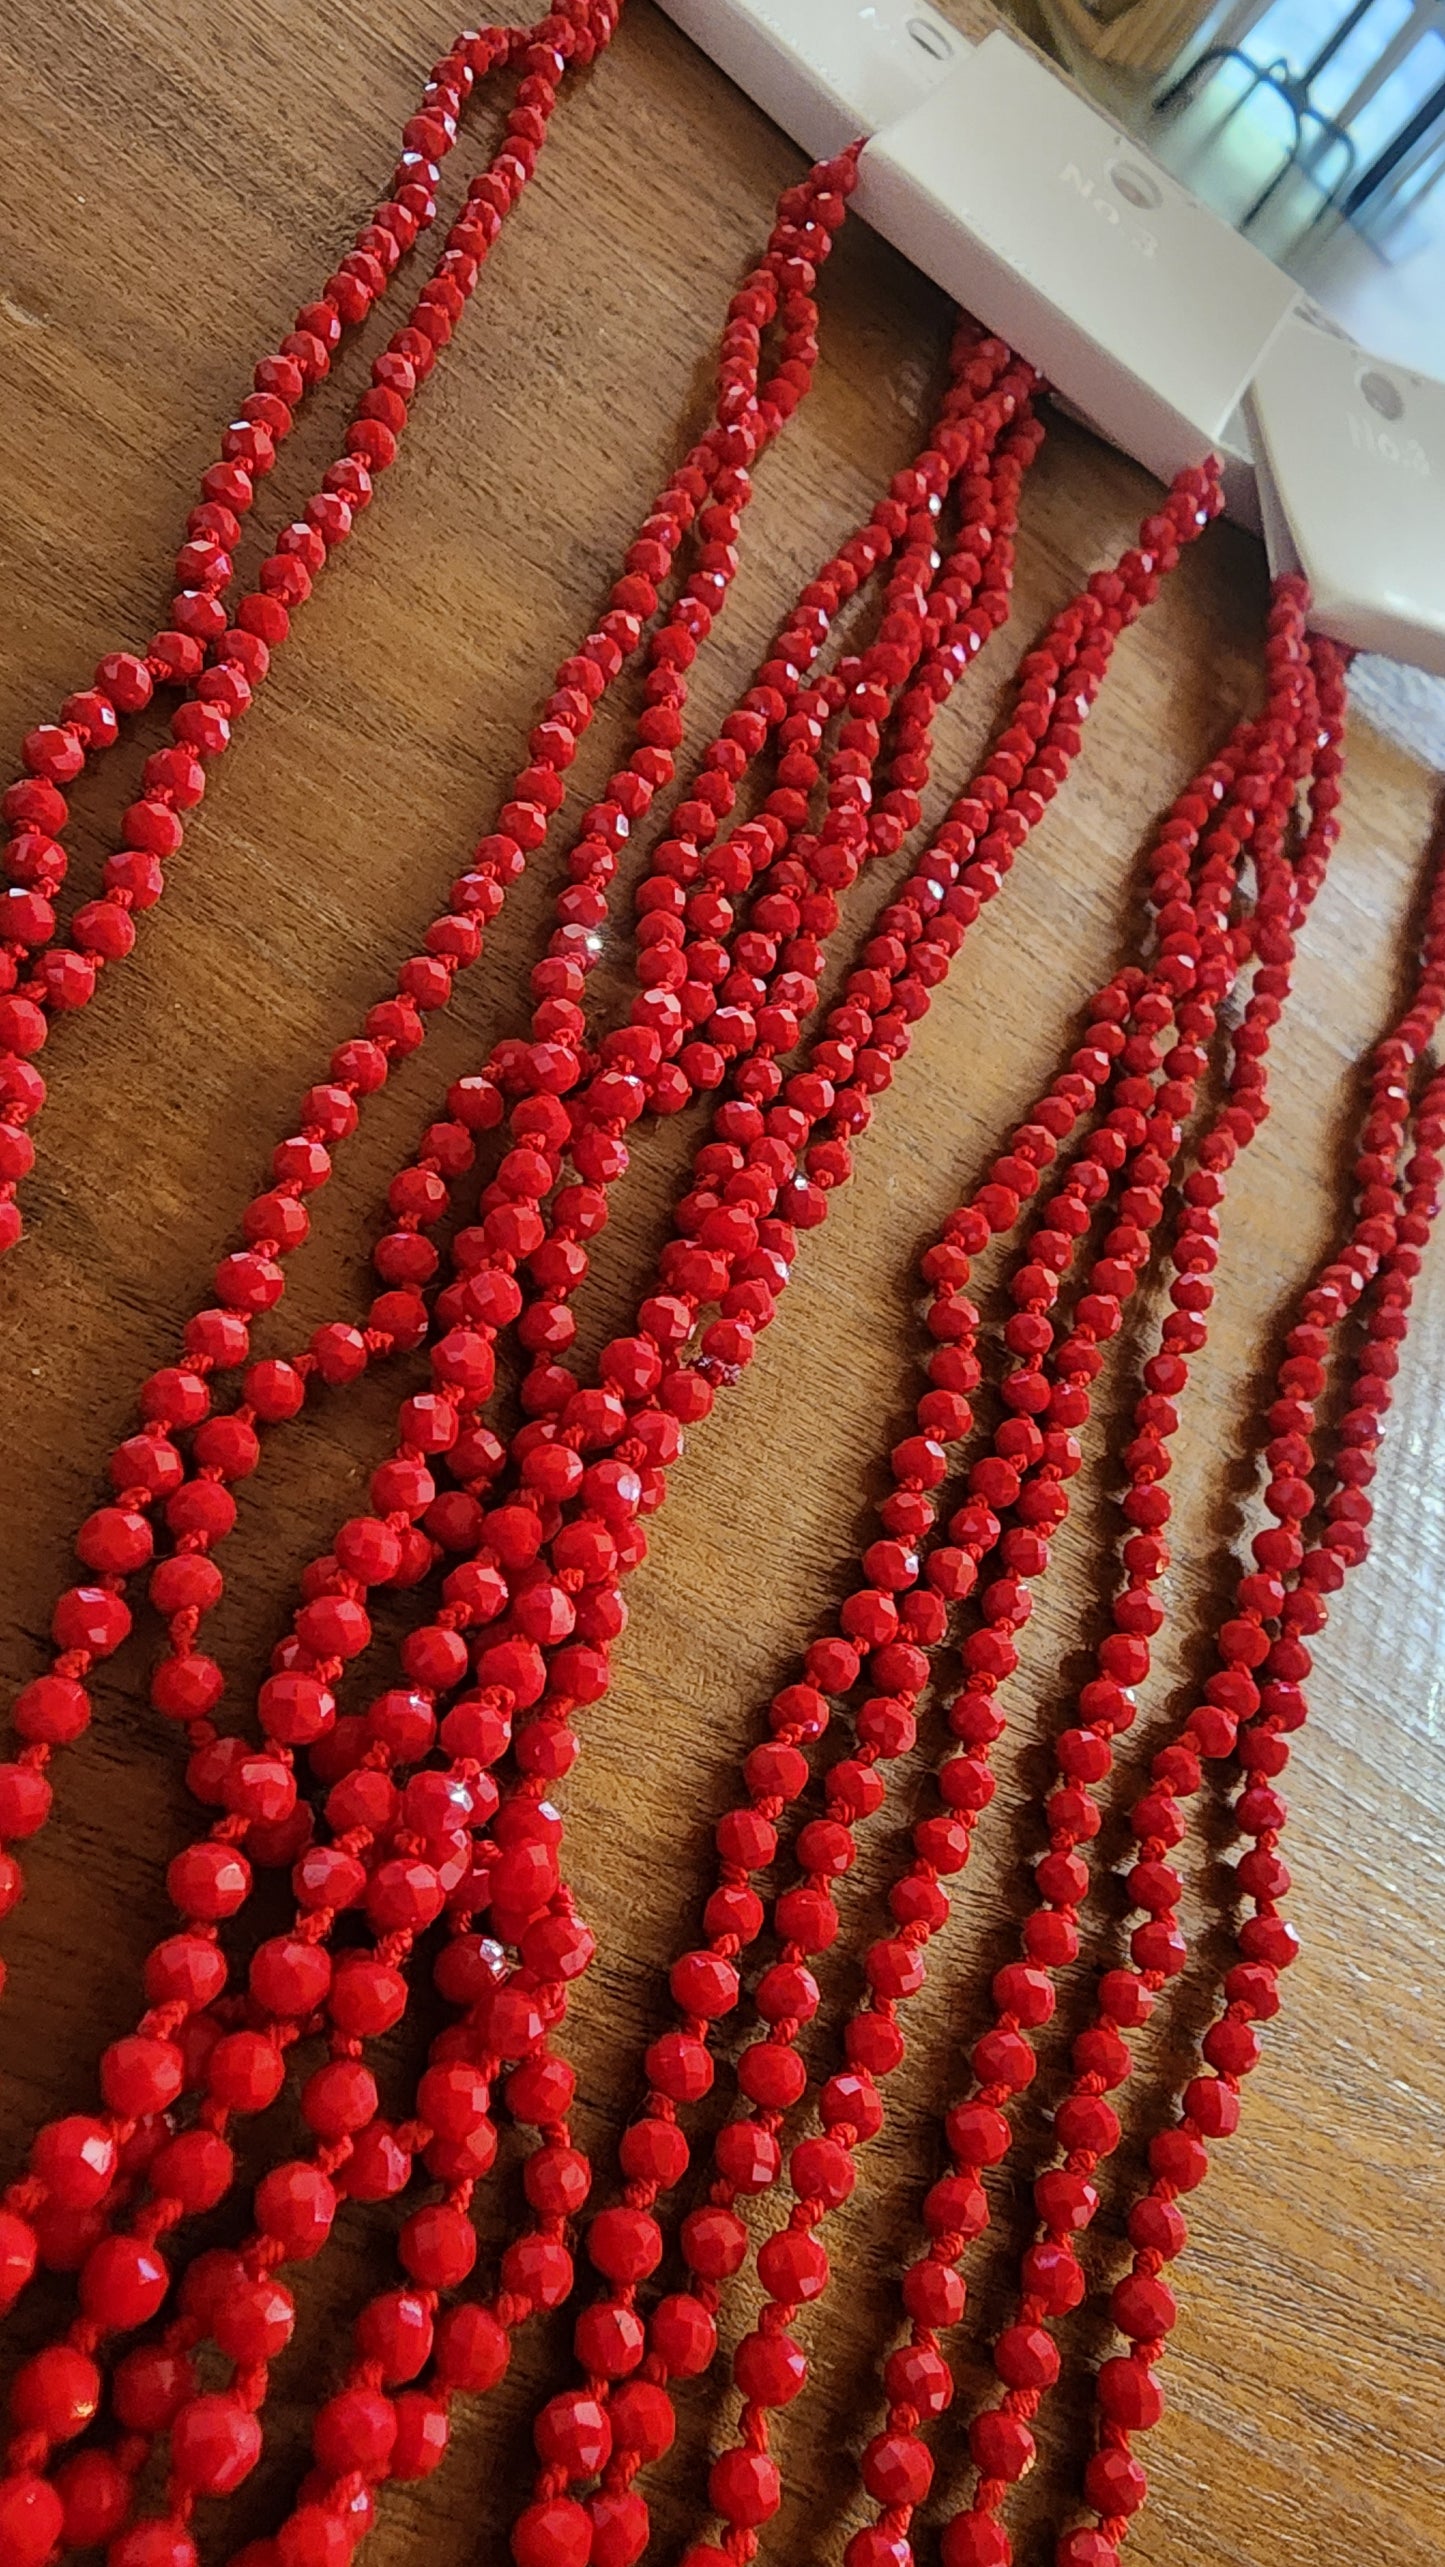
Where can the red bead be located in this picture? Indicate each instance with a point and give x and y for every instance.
(75, 2159)
(897, 2469)
(422, 2435)
(355, 2431)
(770, 2369)
(122, 2283)
(745, 2488)
(682, 2335)
(1086, 2548)
(297, 2204)
(438, 2246)
(215, 2444)
(339, 2099)
(975, 2540)
(314, 2537)
(1026, 2357)
(54, 1709)
(1052, 2274)
(150, 2386)
(609, 2339)
(30, 2520)
(1114, 2483)
(254, 2320)
(395, 2330)
(17, 2257)
(1130, 2394)
(573, 2433)
(209, 1882)
(554, 2534)
(245, 2072)
(96, 2495)
(140, 2076)
(56, 2393)
(153, 2544)
(472, 2349)
(626, 2245)
(1001, 2444)
(620, 2528)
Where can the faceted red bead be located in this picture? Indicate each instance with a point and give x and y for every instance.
(355, 2431)
(297, 2204)
(573, 2432)
(897, 2469)
(1001, 2444)
(395, 2331)
(31, 2519)
(215, 2444)
(745, 2488)
(609, 2339)
(56, 2393)
(975, 2540)
(1026, 2357)
(1114, 2483)
(682, 2334)
(96, 2494)
(153, 2544)
(472, 2349)
(620, 2527)
(438, 2246)
(254, 2320)
(557, 2533)
(1130, 2394)
(770, 2369)
(422, 2435)
(149, 2387)
(122, 2283)
(75, 2159)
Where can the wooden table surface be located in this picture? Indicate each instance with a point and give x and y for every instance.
(172, 182)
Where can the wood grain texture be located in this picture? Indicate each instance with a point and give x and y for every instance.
(171, 183)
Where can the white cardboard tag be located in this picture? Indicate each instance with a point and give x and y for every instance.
(1144, 309)
(1350, 455)
(825, 70)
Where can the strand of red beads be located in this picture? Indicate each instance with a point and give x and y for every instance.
(537, 1076)
(1023, 1991)
(151, 1474)
(56, 754)
(1260, 1681)
(726, 1014)
(395, 2331)
(513, 2021)
(512, 1242)
(894, 1658)
(502, 2019)
(886, 1628)
(1117, 610)
(1034, 1453)
(335, 2101)
(253, 2053)
(516, 2018)
(852, 739)
(174, 779)
(233, 1761)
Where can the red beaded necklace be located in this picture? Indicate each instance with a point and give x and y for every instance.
(1003, 2060)
(1034, 1453)
(188, 1688)
(237, 2321)
(122, 2064)
(221, 664)
(148, 1470)
(420, 1822)
(1256, 1699)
